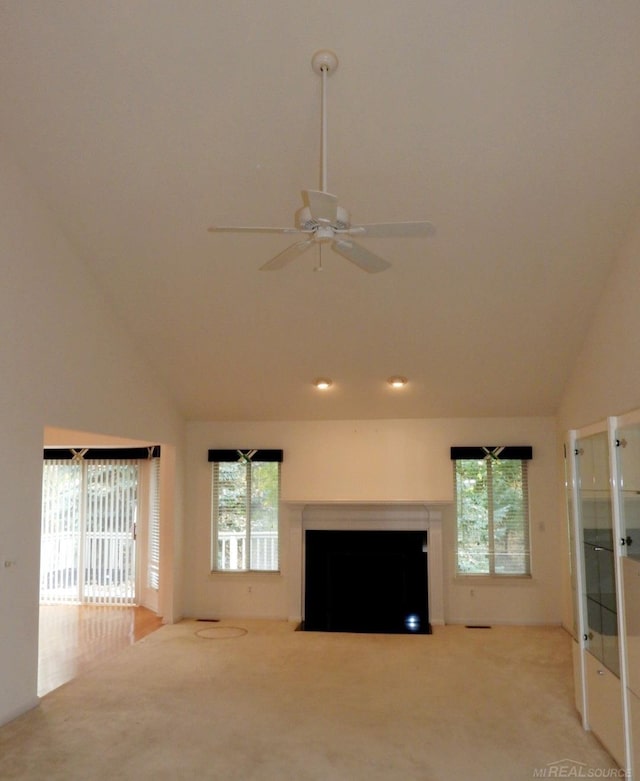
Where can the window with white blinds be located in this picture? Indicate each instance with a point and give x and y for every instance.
(492, 513)
(62, 492)
(153, 545)
(245, 499)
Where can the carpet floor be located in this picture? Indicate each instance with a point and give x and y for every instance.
(258, 701)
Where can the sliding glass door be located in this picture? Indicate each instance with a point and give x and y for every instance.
(89, 515)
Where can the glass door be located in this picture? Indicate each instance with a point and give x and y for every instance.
(575, 551)
(89, 515)
(628, 453)
(597, 540)
(627, 439)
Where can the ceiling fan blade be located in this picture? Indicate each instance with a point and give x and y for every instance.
(323, 206)
(244, 229)
(287, 255)
(393, 229)
(362, 257)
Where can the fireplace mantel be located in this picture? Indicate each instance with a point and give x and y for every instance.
(397, 516)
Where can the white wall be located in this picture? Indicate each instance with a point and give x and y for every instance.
(606, 375)
(375, 461)
(64, 362)
(605, 379)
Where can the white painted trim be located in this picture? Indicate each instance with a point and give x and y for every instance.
(578, 561)
(619, 553)
(366, 516)
(628, 419)
(491, 624)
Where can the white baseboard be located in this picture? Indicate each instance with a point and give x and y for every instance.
(489, 622)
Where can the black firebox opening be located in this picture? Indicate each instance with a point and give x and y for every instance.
(366, 581)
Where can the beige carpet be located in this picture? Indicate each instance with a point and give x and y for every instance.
(272, 703)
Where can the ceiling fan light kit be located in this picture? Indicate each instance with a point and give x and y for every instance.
(321, 220)
(397, 381)
(322, 383)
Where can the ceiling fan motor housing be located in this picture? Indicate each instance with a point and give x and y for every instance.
(306, 222)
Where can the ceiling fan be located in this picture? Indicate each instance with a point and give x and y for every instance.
(321, 220)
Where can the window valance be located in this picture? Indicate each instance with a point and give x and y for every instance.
(502, 452)
(102, 453)
(245, 454)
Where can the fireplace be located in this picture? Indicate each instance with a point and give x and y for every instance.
(366, 581)
(367, 588)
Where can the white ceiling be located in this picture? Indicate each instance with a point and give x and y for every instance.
(513, 125)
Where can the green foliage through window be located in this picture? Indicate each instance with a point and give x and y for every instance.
(492, 517)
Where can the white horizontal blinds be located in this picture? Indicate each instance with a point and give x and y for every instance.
(245, 507)
(153, 550)
(265, 498)
(109, 544)
(59, 549)
(230, 514)
(492, 516)
(510, 517)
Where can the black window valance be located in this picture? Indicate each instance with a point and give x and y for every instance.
(245, 454)
(102, 453)
(506, 452)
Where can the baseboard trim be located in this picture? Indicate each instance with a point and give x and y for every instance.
(468, 621)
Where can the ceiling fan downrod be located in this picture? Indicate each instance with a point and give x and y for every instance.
(324, 63)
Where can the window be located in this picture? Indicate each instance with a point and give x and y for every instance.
(153, 539)
(245, 508)
(492, 511)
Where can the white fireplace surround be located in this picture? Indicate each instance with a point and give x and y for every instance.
(387, 516)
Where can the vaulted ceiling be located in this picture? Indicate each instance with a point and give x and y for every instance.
(513, 126)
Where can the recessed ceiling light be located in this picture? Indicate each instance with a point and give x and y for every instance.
(322, 383)
(397, 381)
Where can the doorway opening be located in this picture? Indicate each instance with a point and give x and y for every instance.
(100, 553)
(96, 504)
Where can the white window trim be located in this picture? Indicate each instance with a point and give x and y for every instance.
(492, 577)
(215, 569)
